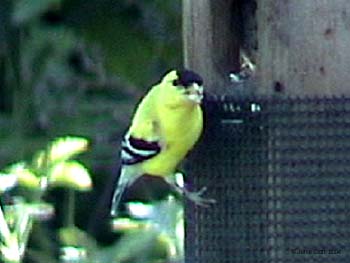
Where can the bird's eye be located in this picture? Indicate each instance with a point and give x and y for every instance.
(178, 85)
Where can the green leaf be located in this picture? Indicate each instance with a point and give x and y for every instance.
(7, 181)
(70, 174)
(61, 149)
(73, 236)
(25, 177)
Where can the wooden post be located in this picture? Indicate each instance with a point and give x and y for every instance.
(211, 46)
(303, 47)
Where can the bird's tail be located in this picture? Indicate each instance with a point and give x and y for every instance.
(118, 192)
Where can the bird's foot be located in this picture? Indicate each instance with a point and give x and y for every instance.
(197, 197)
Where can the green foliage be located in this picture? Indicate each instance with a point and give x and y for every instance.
(75, 67)
(50, 167)
(140, 39)
(53, 167)
(152, 232)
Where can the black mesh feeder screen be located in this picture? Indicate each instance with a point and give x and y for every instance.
(279, 170)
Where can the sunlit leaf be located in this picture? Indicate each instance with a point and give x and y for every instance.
(169, 244)
(10, 254)
(70, 174)
(73, 254)
(26, 10)
(5, 234)
(7, 181)
(69, 236)
(60, 149)
(73, 236)
(128, 224)
(25, 177)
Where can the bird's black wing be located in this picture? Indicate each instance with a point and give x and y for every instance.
(135, 150)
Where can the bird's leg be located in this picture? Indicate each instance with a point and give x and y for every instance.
(194, 196)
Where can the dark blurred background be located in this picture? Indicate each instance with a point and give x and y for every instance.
(78, 67)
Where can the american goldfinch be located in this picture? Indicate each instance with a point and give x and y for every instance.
(167, 123)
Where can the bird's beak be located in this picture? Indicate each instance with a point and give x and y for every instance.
(195, 93)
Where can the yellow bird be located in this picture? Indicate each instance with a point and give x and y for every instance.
(166, 125)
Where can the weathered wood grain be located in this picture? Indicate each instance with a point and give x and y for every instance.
(304, 47)
(210, 43)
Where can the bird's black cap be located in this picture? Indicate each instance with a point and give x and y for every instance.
(187, 78)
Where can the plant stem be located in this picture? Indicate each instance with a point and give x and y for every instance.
(4, 229)
(23, 228)
(70, 208)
